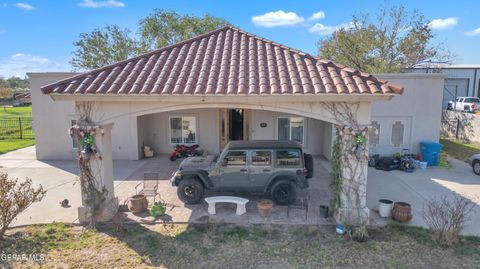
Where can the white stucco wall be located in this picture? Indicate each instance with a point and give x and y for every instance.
(51, 120)
(153, 130)
(317, 140)
(419, 108)
(156, 129)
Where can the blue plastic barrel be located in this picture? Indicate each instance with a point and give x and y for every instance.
(431, 152)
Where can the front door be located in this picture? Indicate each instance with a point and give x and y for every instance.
(234, 125)
(224, 128)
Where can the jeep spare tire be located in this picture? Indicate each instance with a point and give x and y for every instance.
(190, 191)
(308, 164)
(283, 192)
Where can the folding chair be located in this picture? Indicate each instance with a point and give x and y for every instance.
(149, 186)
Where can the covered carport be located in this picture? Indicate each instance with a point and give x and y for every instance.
(226, 68)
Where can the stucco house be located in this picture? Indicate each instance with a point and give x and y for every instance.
(229, 85)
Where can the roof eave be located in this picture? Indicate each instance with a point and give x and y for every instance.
(225, 98)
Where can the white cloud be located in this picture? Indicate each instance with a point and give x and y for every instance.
(442, 24)
(317, 16)
(97, 4)
(474, 32)
(277, 18)
(321, 29)
(24, 6)
(21, 63)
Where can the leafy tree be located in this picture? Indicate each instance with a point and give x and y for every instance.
(16, 82)
(396, 40)
(103, 47)
(162, 28)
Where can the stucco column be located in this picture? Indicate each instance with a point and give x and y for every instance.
(102, 170)
(353, 197)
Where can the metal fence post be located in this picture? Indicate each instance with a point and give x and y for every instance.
(457, 129)
(20, 125)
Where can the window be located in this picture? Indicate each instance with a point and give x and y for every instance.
(183, 130)
(236, 158)
(374, 135)
(290, 129)
(75, 140)
(261, 158)
(397, 133)
(472, 100)
(288, 157)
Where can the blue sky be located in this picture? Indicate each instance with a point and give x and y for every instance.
(37, 35)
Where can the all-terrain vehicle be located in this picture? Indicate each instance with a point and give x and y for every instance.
(270, 167)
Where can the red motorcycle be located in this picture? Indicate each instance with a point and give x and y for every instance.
(182, 151)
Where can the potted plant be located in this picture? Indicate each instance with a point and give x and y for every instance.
(138, 203)
(265, 207)
(158, 209)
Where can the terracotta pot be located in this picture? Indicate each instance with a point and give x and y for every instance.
(265, 207)
(402, 212)
(138, 203)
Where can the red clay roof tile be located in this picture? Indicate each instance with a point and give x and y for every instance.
(227, 61)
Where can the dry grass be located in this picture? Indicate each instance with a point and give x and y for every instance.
(220, 246)
(459, 150)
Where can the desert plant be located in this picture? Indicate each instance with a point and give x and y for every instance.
(158, 209)
(447, 217)
(360, 233)
(15, 197)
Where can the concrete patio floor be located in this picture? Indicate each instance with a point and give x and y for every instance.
(177, 211)
(58, 177)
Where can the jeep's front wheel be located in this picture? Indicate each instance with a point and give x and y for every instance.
(283, 192)
(190, 191)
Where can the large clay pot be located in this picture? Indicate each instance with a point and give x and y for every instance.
(265, 207)
(402, 212)
(138, 203)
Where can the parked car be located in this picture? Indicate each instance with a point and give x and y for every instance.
(269, 167)
(467, 104)
(475, 161)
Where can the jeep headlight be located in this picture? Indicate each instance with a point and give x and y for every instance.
(178, 174)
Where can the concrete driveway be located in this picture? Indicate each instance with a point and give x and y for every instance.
(414, 188)
(58, 177)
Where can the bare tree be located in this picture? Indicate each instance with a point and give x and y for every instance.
(15, 197)
(447, 217)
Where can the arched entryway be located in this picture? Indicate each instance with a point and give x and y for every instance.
(212, 128)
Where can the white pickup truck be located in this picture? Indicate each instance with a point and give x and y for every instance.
(467, 104)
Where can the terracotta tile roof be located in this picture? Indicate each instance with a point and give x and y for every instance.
(226, 61)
